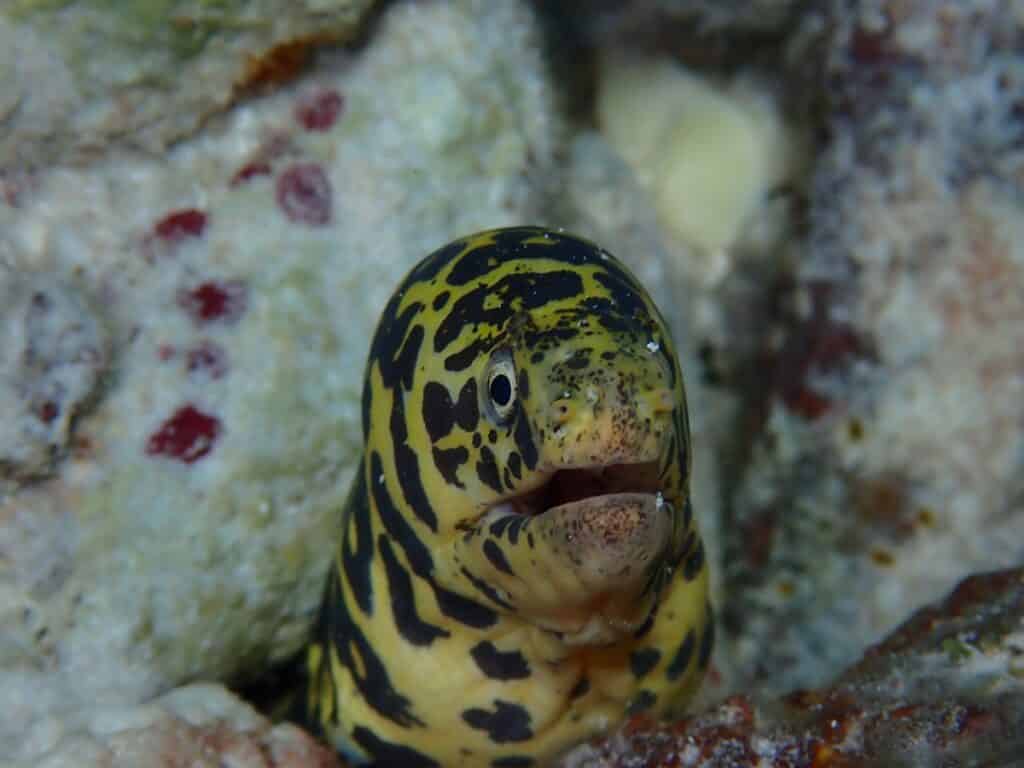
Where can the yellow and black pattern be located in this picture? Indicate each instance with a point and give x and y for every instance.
(519, 565)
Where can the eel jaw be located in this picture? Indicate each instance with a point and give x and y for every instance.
(599, 532)
(569, 485)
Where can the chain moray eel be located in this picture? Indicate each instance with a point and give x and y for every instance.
(519, 565)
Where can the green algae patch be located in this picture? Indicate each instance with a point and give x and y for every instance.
(956, 650)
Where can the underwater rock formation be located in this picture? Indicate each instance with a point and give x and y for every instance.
(82, 76)
(884, 426)
(946, 688)
(197, 725)
(54, 354)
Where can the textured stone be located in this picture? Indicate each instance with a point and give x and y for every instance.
(54, 353)
(883, 428)
(200, 725)
(946, 688)
(81, 76)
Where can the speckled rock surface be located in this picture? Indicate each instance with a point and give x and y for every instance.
(947, 688)
(186, 529)
(54, 354)
(82, 75)
(882, 438)
(199, 726)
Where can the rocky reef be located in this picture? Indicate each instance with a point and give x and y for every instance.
(81, 78)
(946, 688)
(196, 725)
(204, 206)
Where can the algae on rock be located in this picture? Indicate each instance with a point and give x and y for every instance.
(82, 76)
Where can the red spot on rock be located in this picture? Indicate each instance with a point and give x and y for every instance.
(759, 534)
(207, 358)
(17, 186)
(223, 301)
(885, 502)
(871, 47)
(250, 171)
(188, 222)
(638, 724)
(739, 709)
(48, 411)
(260, 162)
(165, 352)
(319, 110)
(971, 720)
(304, 194)
(188, 435)
(713, 676)
(819, 345)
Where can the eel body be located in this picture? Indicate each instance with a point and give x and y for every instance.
(519, 567)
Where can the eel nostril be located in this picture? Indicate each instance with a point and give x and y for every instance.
(561, 411)
(660, 400)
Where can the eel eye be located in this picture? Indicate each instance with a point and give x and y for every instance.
(501, 387)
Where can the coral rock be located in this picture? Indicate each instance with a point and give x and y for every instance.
(947, 688)
(80, 76)
(55, 351)
(886, 450)
(199, 726)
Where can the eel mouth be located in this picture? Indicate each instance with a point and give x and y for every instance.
(594, 539)
(577, 486)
